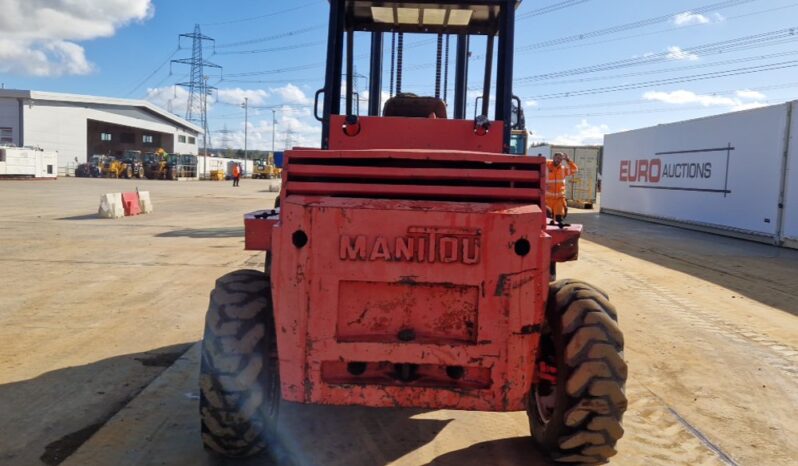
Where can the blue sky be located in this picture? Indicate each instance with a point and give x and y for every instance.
(583, 70)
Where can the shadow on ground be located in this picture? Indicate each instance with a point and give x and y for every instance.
(45, 419)
(346, 436)
(504, 452)
(81, 217)
(234, 232)
(757, 271)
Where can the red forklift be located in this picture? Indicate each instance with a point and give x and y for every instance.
(409, 263)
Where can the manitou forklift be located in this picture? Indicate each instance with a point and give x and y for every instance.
(410, 264)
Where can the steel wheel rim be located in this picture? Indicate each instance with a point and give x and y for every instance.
(545, 405)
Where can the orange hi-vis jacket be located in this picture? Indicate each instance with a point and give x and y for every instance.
(236, 171)
(555, 178)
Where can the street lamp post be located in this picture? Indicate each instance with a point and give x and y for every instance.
(274, 127)
(246, 128)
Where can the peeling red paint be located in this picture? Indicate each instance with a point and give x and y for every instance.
(454, 323)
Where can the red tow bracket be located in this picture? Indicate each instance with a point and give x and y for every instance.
(258, 229)
(564, 242)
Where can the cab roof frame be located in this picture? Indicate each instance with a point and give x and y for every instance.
(491, 18)
(481, 17)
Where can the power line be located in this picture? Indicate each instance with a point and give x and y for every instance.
(534, 111)
(677, 80)
(741, 43)
(279, 106)
(655, 110)
(165, 78)
(634, 25)
(549, 9)
(670, 29)
(149, 76)
(661, 70)
(267, 15)
(275, 71)
(281, 35)
(270, 81)
(274, 49)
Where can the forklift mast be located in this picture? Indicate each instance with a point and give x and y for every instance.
(494, 19)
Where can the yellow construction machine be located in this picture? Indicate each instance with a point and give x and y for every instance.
(115, 168)
(156, 165)
(266, 169)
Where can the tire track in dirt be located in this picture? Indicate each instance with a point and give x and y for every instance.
(777, 354)
(655, 437)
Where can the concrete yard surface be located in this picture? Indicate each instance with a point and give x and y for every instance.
(93, 310)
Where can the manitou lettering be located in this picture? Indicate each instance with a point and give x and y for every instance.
(641, 171)
(421, 244)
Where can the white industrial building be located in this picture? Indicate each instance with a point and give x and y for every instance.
(79, 126)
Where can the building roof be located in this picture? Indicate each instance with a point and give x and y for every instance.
(90, 99)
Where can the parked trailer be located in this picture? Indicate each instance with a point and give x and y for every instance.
(28, 162)
(735, 174)
(209, 164)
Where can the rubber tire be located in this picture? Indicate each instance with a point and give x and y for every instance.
(129, 173)
(583, 341)
(239, 376)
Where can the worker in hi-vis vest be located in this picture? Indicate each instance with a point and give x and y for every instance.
(556, 173)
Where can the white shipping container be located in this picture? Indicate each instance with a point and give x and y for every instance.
(724, 172)
(28, 162)
(205, 165)
(790, 224)
(581, 188)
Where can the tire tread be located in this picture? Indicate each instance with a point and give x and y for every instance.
(595, 375)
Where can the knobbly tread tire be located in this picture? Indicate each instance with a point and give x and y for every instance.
(586, 422)
(239, 377)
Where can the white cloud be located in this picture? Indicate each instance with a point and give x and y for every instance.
(681, 97)
(236, 96)
(688, 18)
(688, 97)
(49, 58)
(291, 94)
(749, 94)
(586, 134)
(173, 99)
(39, 35)
(676, 53)
(531, 103)
(304, 131)
(748, 106)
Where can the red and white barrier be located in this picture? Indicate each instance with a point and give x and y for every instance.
(118, 205)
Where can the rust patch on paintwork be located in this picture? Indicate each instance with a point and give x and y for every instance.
(438, 313)
(409, 280)
(508, 282)
(529, 329)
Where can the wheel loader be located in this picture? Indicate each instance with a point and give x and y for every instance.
(116, 168)
(409, 263)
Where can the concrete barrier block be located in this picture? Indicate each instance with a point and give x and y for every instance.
(131, 203)
(111, 206)
(145, 202)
